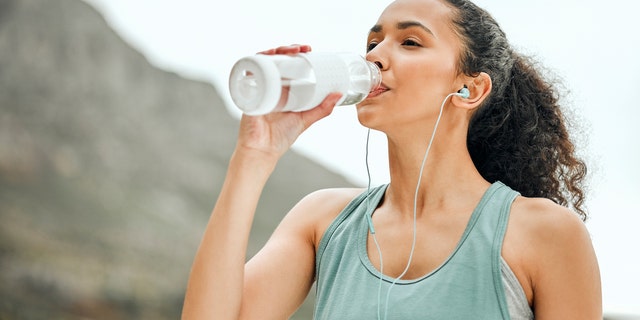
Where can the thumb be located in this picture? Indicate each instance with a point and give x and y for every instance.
(322, 110)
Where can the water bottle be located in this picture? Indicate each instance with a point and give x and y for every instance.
(261, 84)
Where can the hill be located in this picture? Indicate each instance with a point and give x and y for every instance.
(109, 168)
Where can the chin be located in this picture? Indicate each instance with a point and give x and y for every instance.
(370, 115)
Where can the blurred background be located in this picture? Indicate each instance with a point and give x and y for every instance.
(116, 127)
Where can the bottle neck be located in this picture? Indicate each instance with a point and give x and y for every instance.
(376, 75)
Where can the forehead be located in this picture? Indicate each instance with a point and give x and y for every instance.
(434, 14)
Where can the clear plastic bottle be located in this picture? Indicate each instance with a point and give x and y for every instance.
(261, 84)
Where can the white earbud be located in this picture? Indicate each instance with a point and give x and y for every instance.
(464, 93)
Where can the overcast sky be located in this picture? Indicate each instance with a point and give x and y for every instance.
(592, 45)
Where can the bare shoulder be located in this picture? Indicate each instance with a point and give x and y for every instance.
(545, 231)
(545, 222)
(332, 197)
(318, 209)
(553, 253)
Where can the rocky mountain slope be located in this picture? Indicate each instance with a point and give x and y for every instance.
(109, 168)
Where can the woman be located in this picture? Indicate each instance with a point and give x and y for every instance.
(446, 238)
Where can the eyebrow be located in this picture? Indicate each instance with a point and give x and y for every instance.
(403, 25)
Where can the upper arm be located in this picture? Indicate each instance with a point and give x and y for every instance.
(564, 272)
(278, 278)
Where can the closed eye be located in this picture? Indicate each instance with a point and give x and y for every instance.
(411, 43)
(371, 45)
(407, 43)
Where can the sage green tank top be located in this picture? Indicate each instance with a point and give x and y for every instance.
(468, 285)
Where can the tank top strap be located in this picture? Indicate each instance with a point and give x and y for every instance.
(503, 199)
(361, 206)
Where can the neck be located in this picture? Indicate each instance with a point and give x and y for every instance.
(449, 176)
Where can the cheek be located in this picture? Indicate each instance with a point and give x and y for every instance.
(429, 79)
(422, 84)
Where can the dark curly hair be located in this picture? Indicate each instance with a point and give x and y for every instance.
(519, 135)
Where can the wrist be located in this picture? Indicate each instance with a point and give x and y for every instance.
(255, 162)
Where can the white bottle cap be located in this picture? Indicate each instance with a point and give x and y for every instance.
(254, 84)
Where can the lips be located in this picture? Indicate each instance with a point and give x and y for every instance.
(378, 91)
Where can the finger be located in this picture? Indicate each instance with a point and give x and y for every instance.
(287, 49)
(281, 50)
(290, 49)
(322, 110)
(304, 48)
(269, 51)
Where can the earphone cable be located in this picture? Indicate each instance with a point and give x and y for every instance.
(415, 206)
(370, 221)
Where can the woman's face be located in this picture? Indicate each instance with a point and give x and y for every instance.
(417, 49)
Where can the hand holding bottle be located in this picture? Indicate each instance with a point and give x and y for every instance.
(273, 134)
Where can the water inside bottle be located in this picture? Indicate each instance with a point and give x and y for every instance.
(353, 97)
(360, 84)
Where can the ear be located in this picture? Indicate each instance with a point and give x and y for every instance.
(479, 88)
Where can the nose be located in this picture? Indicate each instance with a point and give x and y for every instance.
(376, 56)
